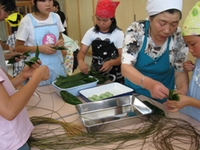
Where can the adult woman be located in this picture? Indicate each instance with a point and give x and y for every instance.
(106, 40)
(154, 51)
(43, 28)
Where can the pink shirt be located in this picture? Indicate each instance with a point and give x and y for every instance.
(15, 133)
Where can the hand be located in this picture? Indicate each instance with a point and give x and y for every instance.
(83, 67)
(43, 72)
(158, 90)
(174, 106)
(59, 43)
(28, 71)
(107, 66)
(188, 66)
(47, 49)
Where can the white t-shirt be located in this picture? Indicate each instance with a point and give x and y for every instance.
(115, 37)
(25, 31)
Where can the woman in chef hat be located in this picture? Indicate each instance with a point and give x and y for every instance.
(190, 104)
(106, 40)
(154, 51)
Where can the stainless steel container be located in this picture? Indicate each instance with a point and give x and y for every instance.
(112, 113)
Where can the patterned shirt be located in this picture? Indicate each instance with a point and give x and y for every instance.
(133, 41)
(18, 66)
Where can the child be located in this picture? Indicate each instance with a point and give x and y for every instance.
(106, 40)
(14, 20)
(56, 9)
(15, 126)
(190, 104)
(43, 28)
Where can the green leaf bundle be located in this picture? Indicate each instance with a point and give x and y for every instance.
(173, 96)
(12, 59)
(33, 60)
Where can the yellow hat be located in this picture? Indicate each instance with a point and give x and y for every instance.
(191, 25)
(14, 19)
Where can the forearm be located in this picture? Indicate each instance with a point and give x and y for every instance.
(193, 102)
(17, 80)
(18, 100)
(23, 48)
(116, 62)
(80, 57)
(131, 73)
(182, 82)
(8, 56)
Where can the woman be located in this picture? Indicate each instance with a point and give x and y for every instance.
(106, 40)
(43, 28)
(190, 104)
(154, 51)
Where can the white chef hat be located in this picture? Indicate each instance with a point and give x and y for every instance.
(157, 6)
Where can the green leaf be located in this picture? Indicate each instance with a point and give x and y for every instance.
(173, 96)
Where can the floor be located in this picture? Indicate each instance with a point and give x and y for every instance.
(88, 60)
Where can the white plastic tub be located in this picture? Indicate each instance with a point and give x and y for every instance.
(117, 89)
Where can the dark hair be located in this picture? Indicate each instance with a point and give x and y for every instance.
(171, 11)
(35, 5)
(113, 26)
(8, 5)
(55, 3)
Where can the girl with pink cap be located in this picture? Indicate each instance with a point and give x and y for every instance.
(106, 40)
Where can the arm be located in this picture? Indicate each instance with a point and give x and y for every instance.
(80, 57)
(46, 49)
(12, 105)
(60, 42)
(174, 106)
(113, 62)
(182, 82)
(157, 89)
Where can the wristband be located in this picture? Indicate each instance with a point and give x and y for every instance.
(142, 80)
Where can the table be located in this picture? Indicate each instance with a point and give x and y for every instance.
(45, 102)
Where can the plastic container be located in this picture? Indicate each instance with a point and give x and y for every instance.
(75, 90)
(117, 89)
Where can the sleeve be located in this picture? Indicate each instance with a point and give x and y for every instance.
(59, 23)
(132, 43)
(87, 38)
(119, 39)
(1, 78)
(24, 29)
(180, 50)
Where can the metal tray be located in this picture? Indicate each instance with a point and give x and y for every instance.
(111, 113)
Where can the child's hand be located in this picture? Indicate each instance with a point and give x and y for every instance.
(28, 71)
(43, 72)
(83, 67)
(107, 66)
(59, 43)
(47, 49)
(174, 106)
(188, 66)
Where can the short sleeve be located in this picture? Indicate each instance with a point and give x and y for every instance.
(87, 38)
(132, 43)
